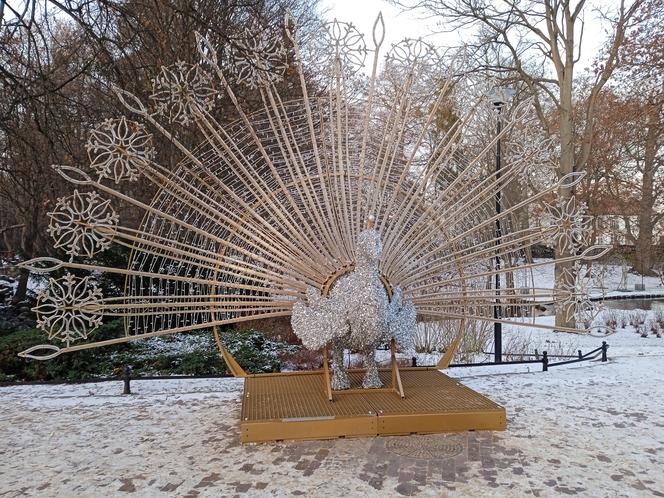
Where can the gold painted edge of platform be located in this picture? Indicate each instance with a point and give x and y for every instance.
(440, 404)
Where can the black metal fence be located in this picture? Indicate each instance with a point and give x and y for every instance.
(544, 359)
(126, 377)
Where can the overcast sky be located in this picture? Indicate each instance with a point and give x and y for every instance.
(400, 25)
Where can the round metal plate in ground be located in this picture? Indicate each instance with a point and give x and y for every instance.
(425, 447)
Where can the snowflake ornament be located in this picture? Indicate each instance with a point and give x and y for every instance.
(570, 225)
(343, 44)
(76, 220)
(573, 294)
(117, 149)
(258, 59)
(539, 169)
(410, 51)
(179, 89)
(68, 310)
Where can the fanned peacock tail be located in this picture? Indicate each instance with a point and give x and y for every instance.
(273, 205)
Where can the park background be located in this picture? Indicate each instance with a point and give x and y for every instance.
(595, 93)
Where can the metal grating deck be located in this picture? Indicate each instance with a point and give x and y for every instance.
(294, 406)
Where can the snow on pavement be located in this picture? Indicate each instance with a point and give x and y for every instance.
(591, 429)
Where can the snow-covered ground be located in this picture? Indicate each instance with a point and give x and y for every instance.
(592, 429)
(36, 283)
(606, 280)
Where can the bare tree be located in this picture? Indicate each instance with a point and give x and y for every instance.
(641, 72)
(625, 169)
(58, 60)
(538, 43)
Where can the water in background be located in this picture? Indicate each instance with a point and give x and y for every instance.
(633, 304)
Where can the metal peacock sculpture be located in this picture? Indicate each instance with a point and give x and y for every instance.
(348, 209)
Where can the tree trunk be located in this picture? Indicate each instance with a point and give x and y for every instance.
(22, 288)
(562, 278)
(644, 248)
(27, 249)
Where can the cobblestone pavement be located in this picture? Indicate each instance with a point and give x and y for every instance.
(593, 430)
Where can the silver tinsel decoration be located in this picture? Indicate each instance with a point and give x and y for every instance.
(357, 315)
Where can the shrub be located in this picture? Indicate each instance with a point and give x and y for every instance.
(184, 354)
(72, 366)
(622, 316)
(302, 359)
(637, 317)
(659, 318)
(610, 318)
(653, 327)
(438, 335)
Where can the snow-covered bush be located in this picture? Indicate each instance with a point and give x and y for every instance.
(658, 316)
(518, 345)
(430, 336)
(653, 327)
(623, 319)
(184, 354)
(437, 336)
(637, 318)
(610, 318)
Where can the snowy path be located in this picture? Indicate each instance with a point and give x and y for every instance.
(591, 429)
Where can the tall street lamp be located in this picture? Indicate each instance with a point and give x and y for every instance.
(498, 98)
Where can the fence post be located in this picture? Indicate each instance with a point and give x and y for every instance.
(536, 355)
(545, 362)
(413, 361)
(580, 355)
(605, 346)
(127, 378)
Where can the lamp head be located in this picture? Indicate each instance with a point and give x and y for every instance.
(500, 95)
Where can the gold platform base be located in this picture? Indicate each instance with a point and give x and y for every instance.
(294, 405)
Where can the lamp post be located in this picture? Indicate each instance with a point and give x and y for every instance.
(498, 98)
